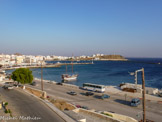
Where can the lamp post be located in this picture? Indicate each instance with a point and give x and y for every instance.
(143, 90)
(144, 102)
(41, 76)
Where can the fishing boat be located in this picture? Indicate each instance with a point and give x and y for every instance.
(69, 77)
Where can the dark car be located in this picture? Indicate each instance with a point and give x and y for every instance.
(8, 87)
(105, 96)
(59, 84)
(160, 94)
(89, 93)
(33, 83)
(78, 106)
(135, 102)
(5, 87)
(72, 93)
(85, 107)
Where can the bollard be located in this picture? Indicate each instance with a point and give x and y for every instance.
(23, 87)
(44, 94)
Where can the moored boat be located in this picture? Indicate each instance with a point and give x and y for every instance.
(67, 77)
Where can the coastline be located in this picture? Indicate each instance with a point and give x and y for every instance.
(47, 66)
(113, 60)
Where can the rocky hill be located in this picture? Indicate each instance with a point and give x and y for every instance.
(112, 57)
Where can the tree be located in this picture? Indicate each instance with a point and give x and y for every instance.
(22, 75)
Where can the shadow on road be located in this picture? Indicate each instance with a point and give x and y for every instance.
(83, 94)
(97, 96)
(123, 102)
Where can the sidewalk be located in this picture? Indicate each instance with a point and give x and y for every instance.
(116, 90)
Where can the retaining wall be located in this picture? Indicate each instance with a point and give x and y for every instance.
(96, 116)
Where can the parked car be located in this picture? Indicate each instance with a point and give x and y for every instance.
(160, 94)
(135, 102)
(105, 96)
(33, 83)
(89, 93)
(5, 87)
(72, 93)
(59, 83)
(8, 87)
(85, 107)
(78, 106)
(111, 111)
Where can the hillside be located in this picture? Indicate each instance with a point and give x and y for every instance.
(112, 57)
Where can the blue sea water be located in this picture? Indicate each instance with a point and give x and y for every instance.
(109, 72)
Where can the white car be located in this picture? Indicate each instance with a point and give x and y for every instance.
(10, 87)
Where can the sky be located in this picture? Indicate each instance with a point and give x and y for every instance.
(132, 28)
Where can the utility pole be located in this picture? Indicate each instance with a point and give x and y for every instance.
(135, 75)
(41, 76)
(143, 91)
(66, 68)
(72, 63)
(144, 102)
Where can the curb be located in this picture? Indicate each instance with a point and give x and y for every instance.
(52, 107)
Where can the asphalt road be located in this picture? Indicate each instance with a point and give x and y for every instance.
(25, 105)
(115, 103)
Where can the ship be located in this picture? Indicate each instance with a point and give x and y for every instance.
(69, 77)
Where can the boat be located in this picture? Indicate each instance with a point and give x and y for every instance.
(69, 77)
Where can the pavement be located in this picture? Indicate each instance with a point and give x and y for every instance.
(116, 90)
(116, 103)
(27, 107)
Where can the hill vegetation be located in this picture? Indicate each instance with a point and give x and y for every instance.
(112, 57)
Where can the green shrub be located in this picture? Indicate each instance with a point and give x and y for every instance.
(6, 103)
(9, 111)
(6, 111)
(107, 114)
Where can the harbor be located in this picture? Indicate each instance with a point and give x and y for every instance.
(118, 97)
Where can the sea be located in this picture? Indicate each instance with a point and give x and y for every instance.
(107, 72)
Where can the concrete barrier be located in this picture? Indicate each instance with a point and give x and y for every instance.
(36, 92)
(121, 117)
(96, 116)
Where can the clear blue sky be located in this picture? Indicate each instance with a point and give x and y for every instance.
(132, 28)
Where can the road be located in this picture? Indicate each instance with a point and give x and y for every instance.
(116, 103)
(24, 105)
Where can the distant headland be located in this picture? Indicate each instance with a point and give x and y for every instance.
(113, 57)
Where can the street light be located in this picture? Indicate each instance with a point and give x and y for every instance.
(143, 91)
(41, 76)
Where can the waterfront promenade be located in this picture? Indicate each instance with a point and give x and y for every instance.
(45, 66)
(117, 102)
